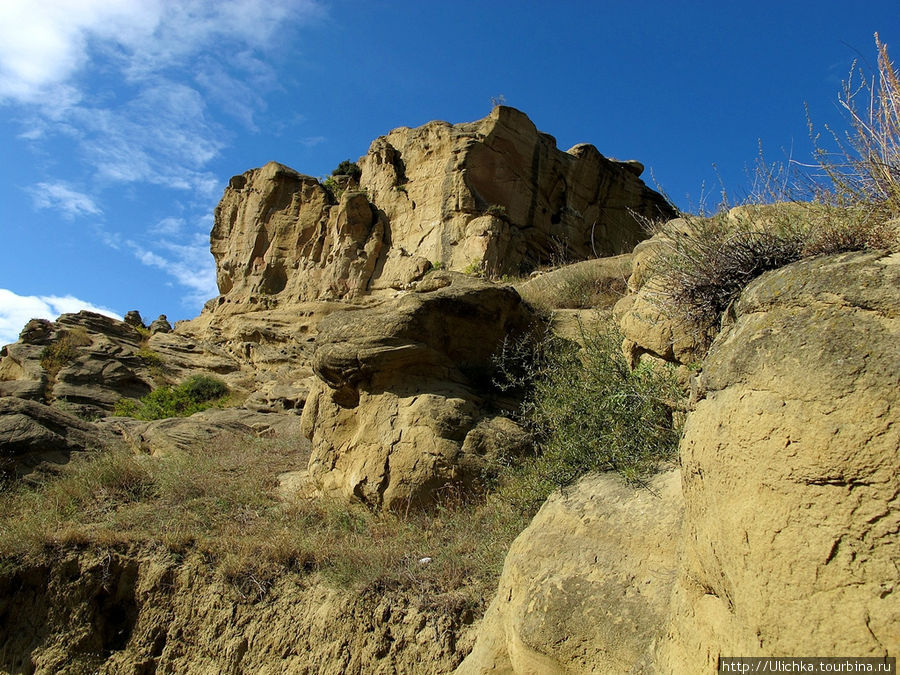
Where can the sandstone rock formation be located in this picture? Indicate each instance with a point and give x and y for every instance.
(86, 362)
(32, 433)
(399, 390)
(495, 193)
(585, 588)
(648, 324)
(792, 474)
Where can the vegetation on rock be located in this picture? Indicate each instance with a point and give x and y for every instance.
(193, 395)
(348, 168)
(63, 350)
(702, 265)
(588, 412)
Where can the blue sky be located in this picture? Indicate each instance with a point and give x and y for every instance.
(121, 121)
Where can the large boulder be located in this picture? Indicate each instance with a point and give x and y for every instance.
(400, 387)
(792, 474)
(585, 588)
(645, 315)
(495, 194)
(32, 433)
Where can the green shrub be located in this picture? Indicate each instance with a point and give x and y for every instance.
(197, 393)
(150, 358)
(203, 388)
(348, 168)
(588, 412)
(474, 268)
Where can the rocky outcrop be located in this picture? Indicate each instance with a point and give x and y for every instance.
(495, 194)
(789, 486)
(596, 284)
(86, 362)
(400, 389)
(109, 612)
(647, 322)
(203, 429)
(791, 472)
(32, 433)
(585, 588)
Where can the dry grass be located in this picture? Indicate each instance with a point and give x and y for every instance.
(702, 265)
(63, 350)
(220, 501)
(589, 284)
(864, 167)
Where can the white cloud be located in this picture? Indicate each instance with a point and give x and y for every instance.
(191, 265)
(167, 227)
(133, 81)
(43, 46)
(142, 88)
(17, 310)
(60, 196)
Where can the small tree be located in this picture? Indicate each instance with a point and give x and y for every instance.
(348, 168)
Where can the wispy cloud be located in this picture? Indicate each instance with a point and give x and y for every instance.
(144, 89)
(190, 265)
(16, 310)
(63, 198)
(168, 227)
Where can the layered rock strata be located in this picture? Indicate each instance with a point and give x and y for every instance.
(495, 195)
(399, 407)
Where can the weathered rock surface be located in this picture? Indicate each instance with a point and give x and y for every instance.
(32, 433)
(399, 390)
(107, 612)
(86, 362)
(646, 321)
(585, 588)
(790, 480)
(180, 434)
(495, 193)
(791, 472)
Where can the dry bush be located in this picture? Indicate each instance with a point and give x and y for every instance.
(865, 167)
(702, 264)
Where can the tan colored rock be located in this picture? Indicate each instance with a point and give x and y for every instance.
(399, 391)
(32, 433)
(87, 362)
(650, 328)
(585, 588)
(645, 318)
(594, 284)
(495, 193)
(280, 233)
(792, 474)
(205, 428)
